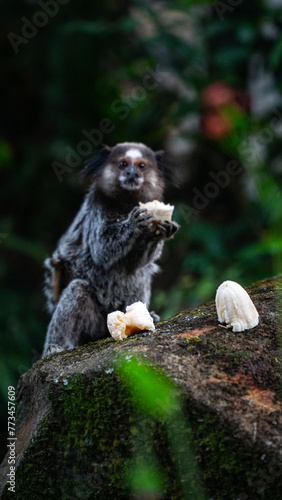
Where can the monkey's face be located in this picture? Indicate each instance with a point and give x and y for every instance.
(132, 167)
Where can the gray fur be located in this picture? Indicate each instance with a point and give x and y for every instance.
(107, 258)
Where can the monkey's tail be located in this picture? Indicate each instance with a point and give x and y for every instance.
(56, 278)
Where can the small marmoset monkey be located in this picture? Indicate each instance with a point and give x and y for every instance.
(105, 261)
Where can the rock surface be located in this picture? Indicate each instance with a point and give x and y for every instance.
(81, 435)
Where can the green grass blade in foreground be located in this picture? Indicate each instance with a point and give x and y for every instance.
(154, 395)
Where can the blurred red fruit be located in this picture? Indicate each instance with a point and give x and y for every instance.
(216, 126)
(218, 94)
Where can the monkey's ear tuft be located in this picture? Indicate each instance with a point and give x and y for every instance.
(166, 168)
(92, 166)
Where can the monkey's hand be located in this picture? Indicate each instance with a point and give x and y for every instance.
(51, 349)
(166, 229)
(141, 219)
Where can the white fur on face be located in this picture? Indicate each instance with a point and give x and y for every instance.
(133, 153)
(108, 175)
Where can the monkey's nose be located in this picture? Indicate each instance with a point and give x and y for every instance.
(131, 174)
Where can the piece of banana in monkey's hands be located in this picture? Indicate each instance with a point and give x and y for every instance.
(159, 211)
(162, 225)
(137, 318)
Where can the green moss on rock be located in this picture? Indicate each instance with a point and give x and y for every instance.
(233, 471)
(93, 438)
(74, 440)
(87, 442)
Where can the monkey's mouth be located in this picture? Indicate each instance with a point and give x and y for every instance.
(131, 184)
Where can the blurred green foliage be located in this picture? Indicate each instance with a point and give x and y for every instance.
(153, 394)
(201, 80)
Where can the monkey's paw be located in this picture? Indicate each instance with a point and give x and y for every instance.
(155, 317)
(166, 229)
(51, 349)
(141, 218)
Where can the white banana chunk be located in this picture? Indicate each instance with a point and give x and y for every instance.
(122, 325)
(116, 325)
(158, 210)
(235, 307)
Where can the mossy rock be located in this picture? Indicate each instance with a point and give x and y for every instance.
(82, 432)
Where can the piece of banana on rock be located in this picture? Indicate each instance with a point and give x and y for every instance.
(137, 318)
(235, 307)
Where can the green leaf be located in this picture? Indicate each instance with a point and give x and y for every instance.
(151, 392)
(146, 479)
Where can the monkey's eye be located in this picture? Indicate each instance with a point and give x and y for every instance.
(142, 165)
(122, 164)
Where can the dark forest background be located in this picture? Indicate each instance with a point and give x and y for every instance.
(199, 79)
